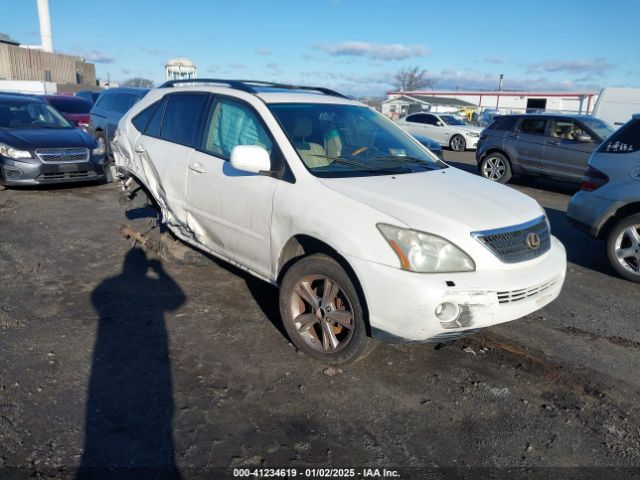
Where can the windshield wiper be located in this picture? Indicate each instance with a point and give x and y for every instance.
(411, 160)
(345, 161)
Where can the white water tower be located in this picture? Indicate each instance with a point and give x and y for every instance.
(180, 69)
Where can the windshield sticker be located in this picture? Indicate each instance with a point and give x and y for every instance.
(635, 173)
(619, 147)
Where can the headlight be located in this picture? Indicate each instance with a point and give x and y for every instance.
(7, 151)
(101, 148)
(425, 253)
(472, 134)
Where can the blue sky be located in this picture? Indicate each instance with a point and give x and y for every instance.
(353, 46)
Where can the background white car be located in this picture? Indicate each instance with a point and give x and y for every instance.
(446, 129)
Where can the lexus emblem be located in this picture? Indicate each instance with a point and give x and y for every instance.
(533, 241)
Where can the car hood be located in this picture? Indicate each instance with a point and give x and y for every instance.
(469, 128)
(441, 200)
(30, 139)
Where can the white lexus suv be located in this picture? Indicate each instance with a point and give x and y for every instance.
(365, 232)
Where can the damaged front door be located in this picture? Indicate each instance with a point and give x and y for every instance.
(230, 208)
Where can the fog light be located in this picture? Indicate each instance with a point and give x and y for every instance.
(448, 312)
(11, 173)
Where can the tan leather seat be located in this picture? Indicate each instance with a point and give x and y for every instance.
(311, 153)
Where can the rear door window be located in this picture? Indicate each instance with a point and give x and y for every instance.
(417, 118)
(624, 140)
(532, 126)
(183, 118)
(431, 120)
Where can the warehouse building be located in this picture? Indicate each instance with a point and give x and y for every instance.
(21, 63)
(504, 101)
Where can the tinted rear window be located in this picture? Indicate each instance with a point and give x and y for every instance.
(502, 123)
(122, 102)
(624, 140)
(71, 105)
(533, 126)
(141, 121)
(183, 118)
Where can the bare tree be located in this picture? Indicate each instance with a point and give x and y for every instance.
(138, 82)
(412, 78)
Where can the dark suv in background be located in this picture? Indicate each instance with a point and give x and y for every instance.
(111, 105)
(548, 144)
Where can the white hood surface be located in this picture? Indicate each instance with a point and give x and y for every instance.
(470, 128)
(428, 201)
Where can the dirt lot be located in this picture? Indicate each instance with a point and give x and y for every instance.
(113, 359)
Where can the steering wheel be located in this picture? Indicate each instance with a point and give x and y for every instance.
(359, 150)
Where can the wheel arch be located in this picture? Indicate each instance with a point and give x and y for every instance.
(623, 212)
(302, 245)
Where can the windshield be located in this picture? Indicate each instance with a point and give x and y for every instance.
(602, 128)
(350, 140)
(451, 120)
(21, 114)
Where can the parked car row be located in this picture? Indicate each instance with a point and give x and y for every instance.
(342, 209)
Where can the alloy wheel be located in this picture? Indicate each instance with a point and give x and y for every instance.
(322, 313)
(627, 249)
(457, 143)
(494, 168)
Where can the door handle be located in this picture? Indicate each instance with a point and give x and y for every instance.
(197, 167)
(139, 148)
(513, 136)
(553, 142)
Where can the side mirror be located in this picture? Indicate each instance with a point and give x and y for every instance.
(439, 123)
(583, 138)
(250, 158)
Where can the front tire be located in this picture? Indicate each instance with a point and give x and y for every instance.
(496, 167)
(623, 248)
(458, 143)
(322, 312)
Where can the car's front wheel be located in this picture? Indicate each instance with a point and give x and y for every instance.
(496, 167)
(623, 247)
(322, 312)
(458, 143)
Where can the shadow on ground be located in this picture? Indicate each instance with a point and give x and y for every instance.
(581, 249)
(129, 411)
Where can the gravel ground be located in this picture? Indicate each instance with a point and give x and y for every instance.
(112, 358)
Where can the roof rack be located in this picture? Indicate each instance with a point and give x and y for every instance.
(249, 85)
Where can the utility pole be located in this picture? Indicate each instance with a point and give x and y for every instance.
(499, 90)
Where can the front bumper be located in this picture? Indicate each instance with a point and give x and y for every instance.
(472, 142)
(402, 304)
(36, 172)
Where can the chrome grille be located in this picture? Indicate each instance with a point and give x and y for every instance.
(524, 293)
(63, 155)
(511, 244)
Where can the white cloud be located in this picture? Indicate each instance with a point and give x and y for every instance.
(596, 65)
(373, 50)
